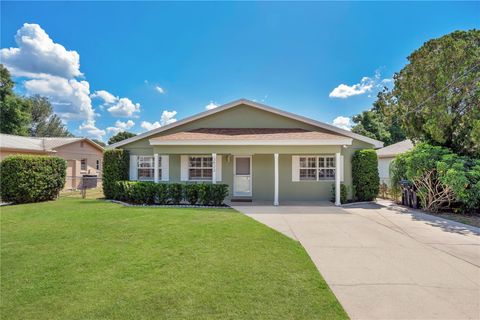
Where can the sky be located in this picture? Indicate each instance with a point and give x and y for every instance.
(114, 66)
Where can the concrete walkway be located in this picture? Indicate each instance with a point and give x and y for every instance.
(385, 262)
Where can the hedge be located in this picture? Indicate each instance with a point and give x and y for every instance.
(146, 192)
(116, 164)
(27, 179)
(365, 178)
(343, 193)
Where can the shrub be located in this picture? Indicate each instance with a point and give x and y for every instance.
(175, 192)
(144, 192)
(115, 168)
(205, 194)
(27, 179)
(162, 195)
(343, 193)
(218, 193)
(191, 193)
(365, 178)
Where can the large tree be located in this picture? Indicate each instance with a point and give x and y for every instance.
(121, 136)
(45, 123)
(437, 94)
(14, 110)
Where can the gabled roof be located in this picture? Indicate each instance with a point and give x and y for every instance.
(39, 144)
(395, 149)
(322, 125)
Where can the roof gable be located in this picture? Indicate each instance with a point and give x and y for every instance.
(293, 118)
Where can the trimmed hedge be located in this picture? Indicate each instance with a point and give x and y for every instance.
(343, 193)
(27, 179)
(365, 178)
(146, 192)
(116, 164)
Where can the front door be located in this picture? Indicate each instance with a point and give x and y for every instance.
(242, 176)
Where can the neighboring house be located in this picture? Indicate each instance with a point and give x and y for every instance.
(387, 154)
(83, 156)
(262, 153)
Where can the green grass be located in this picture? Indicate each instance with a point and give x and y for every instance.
(90, 259)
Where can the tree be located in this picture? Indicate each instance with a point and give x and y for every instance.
(436, 95)
(99, 142)
(14, 110)
(121, 136)
(45, 123)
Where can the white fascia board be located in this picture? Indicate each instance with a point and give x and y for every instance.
(290, 142)
(375, 143)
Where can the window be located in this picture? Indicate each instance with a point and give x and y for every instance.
(98, 165)
(83, 164)
(314, 168)
(146, 167)
(200, 168)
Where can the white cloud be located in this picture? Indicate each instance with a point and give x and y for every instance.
(106, 96)
(345, 91)
(343, 123)
(211, 105)
(160, 89)
(88, 129)
(37, 55)
(120, 126)
(150, 126)
(70, 98)
(124, 107)
(168, 117)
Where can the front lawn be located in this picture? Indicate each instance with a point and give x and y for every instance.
(89, 259)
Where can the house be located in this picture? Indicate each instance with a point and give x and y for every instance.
(387, 154)
(83, 156)
(262, 153)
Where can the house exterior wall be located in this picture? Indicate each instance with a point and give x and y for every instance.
(384, 169)
(82, 150)
(262, 156)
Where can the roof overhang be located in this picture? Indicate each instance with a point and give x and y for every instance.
(332, 128)
(289, 142)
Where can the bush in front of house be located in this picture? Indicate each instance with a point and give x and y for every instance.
(365, 178)
(115, 168)
(27, 179)
(343, 193)
(147, 192)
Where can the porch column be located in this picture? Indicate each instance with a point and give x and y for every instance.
(337, 179)
(155, 167)
(275, 199)
(214, 168)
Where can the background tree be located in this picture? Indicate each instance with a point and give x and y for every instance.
(121, 136)
(437, 94)
(45, 123)
(14, 110)
(99, 142)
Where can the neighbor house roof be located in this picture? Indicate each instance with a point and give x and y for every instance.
(395, 149)
(38, 144)
(256, 105)
(250, 136)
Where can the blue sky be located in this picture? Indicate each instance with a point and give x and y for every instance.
(112, 66)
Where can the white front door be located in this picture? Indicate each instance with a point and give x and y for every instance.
(242, 176)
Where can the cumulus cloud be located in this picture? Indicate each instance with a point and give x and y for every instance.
(120, 126)
(106, 96)
(150, 126)
(37, 55)
(159, 89)
(366, 85)
(211, 105)
(124, 107)
(70, 97)
(88, 129)
(343, 122)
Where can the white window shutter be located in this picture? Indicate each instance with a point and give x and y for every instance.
(133, 168)
(219, 168)
(184, 168)
(342, 170)
(165, 168)
(295, 168)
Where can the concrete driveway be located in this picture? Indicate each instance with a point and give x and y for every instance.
(385, 262)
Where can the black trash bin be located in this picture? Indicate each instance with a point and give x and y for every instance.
(89, 181)
(409, 194)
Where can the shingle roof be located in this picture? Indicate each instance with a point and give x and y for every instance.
(247, 134)
(394, 149)
(41, 144)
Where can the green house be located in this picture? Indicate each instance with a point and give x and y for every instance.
(262, 153)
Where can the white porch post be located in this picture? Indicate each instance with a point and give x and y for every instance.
(214, 168)
(275, 199)
(155, 168)
(337, 179)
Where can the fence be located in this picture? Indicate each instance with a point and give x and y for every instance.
(81, 186)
